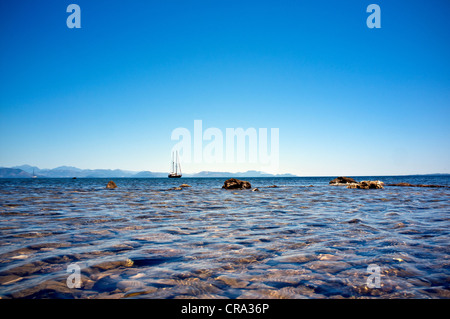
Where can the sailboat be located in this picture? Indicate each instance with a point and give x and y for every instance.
(176, 167)
(34, 176)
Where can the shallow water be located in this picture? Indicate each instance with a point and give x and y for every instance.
(144, 240)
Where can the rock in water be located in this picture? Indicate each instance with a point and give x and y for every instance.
(367, 185)
(176, 189)
(414, 185)
(111, 185)
(342, 180)
(185, 185)
(402, 184)
(234, 183)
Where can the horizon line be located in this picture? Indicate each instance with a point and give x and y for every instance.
(226, 172)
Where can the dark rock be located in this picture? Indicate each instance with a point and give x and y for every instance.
(415, 185)
(111, 185)
(255, 190)
(49, 289)
(107, 265)
(273, 186)
(105, 284)
(342, 180)
(402, 184)
(28, 269)
(234, 183)
(433, 186)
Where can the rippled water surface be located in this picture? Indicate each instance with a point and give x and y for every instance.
(302, 239)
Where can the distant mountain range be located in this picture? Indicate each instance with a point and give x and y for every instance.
(27, 171)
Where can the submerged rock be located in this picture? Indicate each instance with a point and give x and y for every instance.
(234, 183)
(255, 190)
(233, 282)
(50, 289)
(342, 180)
(129, 284)
(9, 279)
(111, 185)
(367, 185)
(436, 186)
(185, 185)
(107, 265)
(402, 184)
(415, 185)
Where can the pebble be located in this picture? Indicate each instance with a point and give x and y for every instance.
(139, 275)
(329, 257)
(20, 257)
(114, 264)
(233, 282)
(144, 291)
(124, 284)
(330, 267)
(299, 258)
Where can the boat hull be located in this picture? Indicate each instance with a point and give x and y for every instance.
(174, 176)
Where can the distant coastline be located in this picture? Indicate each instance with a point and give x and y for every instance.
(27, 171)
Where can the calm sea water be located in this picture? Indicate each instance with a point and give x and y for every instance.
(145, 240)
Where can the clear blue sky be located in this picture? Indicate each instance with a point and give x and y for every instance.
(348, 100)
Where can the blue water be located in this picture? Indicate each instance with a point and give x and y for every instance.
(147, 240)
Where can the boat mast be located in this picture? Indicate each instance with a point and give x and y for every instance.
(178, 161)
(172, 162)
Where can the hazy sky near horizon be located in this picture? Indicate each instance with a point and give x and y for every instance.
(347, 100)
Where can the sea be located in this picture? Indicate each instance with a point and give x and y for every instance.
(148, 238)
